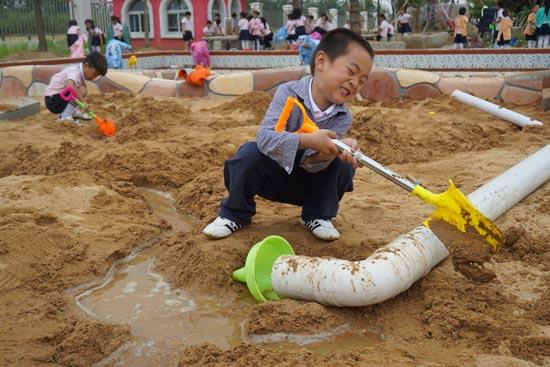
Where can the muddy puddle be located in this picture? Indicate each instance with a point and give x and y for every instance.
(165, 320)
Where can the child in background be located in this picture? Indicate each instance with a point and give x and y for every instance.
(186, 30)
(118, 30)
(300, 22)
(461, 29)
(114, 51)
(291, 29)
(310, 24)
(543, 25)
(498, 18)
(218, 29)
(385, 31)
(267, 34)
(77, 48)
(323, 25)
(244, 33)
(75, 76)
(531, 28)
(302, 169)
(95, 36)
(256, 28)
(234, 23)
(208, 30)
(200, 53)
(505, 33)
(73, 32)
(404, 22)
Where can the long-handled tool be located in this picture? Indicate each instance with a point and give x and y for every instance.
(105, 126)
(452, 205)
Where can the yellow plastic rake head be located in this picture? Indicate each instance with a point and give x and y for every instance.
(454, 208)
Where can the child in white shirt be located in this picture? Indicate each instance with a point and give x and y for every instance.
(186, 29)
(208, 30)
(118, 31)
(72, 33)
(385, 30)
(244, 33)
(74, 76)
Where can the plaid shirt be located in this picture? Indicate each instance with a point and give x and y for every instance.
(282, 147)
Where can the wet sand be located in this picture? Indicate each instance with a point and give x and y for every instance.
(71, 204)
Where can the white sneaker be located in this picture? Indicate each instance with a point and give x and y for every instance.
(81, 115)
(221, 228)
(70, 119)
(322, 229)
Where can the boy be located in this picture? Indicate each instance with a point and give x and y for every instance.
(301, 169)
(461, 29)
(75, 76)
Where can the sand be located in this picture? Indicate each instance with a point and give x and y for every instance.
(69, 206)
(4, 107)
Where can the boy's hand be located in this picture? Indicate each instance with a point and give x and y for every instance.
(321, 141)
(348, 157)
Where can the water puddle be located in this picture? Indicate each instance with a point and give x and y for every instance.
(164, 320)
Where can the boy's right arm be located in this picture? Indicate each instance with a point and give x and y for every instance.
(282, 147)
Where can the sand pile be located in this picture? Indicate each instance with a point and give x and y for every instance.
(255, 102)
(6, 107)
(430, 129)
(70, 205)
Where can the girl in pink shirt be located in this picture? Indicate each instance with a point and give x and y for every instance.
(256, 29)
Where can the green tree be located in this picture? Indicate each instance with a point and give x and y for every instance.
(40, 26)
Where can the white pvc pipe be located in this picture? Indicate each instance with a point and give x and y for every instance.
(499, 111)
(395, 267)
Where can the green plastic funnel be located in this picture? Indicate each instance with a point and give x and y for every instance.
(256, 272)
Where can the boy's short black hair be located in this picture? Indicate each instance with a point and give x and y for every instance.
(187, 13)
(506, 12)
(382, 16)
(115, 18)
(243, 14)
(208, 21)
(72, 22)
(336, 42)
(233, 15)
(462, 10)
(310, 16)
(97, 61)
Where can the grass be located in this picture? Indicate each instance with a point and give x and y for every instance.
(56, 46)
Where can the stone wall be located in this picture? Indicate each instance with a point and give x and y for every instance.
(432, 60)
(383, 85)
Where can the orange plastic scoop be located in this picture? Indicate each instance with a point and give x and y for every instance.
(105, 127)
(308, 126)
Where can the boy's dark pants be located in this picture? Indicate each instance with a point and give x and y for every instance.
(252, 173)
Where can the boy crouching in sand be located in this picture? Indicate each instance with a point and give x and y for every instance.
(75, 76)
(301, 169)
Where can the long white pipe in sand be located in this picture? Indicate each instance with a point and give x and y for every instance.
(499, 111)
(393, 268)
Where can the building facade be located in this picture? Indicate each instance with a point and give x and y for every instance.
(165, 18)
